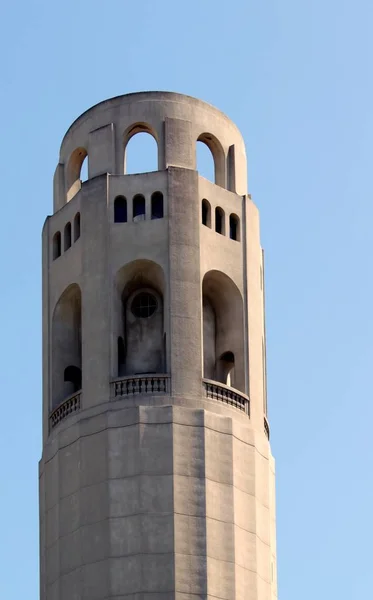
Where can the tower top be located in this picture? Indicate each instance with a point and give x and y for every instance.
(175, 121)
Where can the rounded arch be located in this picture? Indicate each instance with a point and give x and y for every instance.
(73, 171)
(66, 344)
(223, 327)
(139, 318)
(141, 272)
(218, 156)
(148, 153)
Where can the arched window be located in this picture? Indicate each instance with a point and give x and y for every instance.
(141, 150)
(77, 171)
(120, 209)
(211, 159)
(219, 220)
(138, 210)
(56, 245)
(157, 205)
(76, 227)
(67, 236)
(234, 227)
(73, 375)
(206, 213)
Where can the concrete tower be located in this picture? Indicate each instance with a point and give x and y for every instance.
(156, 480)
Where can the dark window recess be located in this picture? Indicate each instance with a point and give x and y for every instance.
(138, 206)
(219, 221)
(120, 210)
(74, 375)
(157, 205)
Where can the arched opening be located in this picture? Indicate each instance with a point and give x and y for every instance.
(219, 220)
(56, 245)
(157, 205)
(140, 149)
(73, 376)
(76, 227)
(206, 213)
(210, 159)
(223, 330)
(76, 172)
(138, 313)
(66, 345)
(67, 237)
(225, 366)
(138, 208)
(234, 227)
(120, 209)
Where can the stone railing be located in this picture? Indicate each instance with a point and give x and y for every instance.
(226, 394)
(66, 408)
(140, 384)
(266, 426)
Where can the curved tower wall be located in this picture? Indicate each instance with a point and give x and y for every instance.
(156, 479)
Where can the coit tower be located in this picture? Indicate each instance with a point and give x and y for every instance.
(156, 478)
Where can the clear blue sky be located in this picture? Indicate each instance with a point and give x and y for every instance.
(296, 77)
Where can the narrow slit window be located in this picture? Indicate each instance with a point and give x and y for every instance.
(120, 210)
(157, 205)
